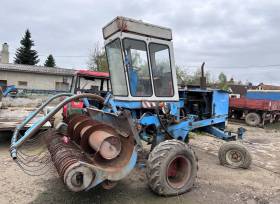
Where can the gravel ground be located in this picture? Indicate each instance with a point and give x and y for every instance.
(215, 183)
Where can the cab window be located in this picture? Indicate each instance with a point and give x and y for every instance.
(136, 59)
(161, 70)
(91, 85)
(115, 61)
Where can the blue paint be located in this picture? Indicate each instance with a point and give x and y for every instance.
(174, 108)
(8, 90)
(133, 80)
(147, 119)
(86, 102)
(220, 103)
(216, 131)
(265, 95)
(128, 104)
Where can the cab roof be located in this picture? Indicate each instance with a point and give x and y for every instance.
(95, 74)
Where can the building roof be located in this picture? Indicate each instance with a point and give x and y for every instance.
(268, 87)
(36, 69)
(238, 89)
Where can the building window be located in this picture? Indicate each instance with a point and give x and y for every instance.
(65, 79)
(61, 86)
(22, 83)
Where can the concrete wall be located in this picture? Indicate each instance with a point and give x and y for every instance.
(34, 81)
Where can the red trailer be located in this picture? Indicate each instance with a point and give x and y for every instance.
(256, 111)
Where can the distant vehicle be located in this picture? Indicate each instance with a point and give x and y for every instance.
(8, 90)
(87, 81)
(258, 107)
(273, 95)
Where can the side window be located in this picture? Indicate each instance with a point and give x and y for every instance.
(161, 69)
(136, 59)
(115, 61)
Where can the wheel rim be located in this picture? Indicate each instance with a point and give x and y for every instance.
(252, 119)
(234, 158)
(178, 171)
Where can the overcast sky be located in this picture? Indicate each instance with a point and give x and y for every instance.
(237, 37)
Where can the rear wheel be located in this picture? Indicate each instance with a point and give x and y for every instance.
(253, 119)
(234, 155)
(172, 168)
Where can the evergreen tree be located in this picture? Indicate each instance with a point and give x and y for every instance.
(50, 62)
(24, 54)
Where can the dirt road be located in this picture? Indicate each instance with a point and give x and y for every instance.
(215, 183)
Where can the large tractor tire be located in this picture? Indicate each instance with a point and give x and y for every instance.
(172, 168)
(253, 119)
(234, 155)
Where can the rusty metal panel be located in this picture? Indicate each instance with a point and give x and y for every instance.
(255, 104)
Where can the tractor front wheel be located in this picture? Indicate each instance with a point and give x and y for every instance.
(171, 168)
(234, 155)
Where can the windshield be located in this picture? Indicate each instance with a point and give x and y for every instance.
(92, 85)
(115, 61)
(161, 69)
(136, 59)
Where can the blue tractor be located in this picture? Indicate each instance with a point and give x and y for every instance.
(6, 90)
(145, 109)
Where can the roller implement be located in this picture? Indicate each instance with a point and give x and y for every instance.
(100, 144)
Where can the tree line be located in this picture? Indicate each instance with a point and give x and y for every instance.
(97, 61)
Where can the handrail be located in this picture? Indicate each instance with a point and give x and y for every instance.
(33, 114)
(36, 126)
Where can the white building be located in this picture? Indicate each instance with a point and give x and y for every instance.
(36, 77)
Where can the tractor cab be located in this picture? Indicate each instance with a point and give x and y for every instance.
(87, 81)
(141, 61)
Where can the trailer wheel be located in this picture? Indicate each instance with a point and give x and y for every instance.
(171, 168)
(253, 119)
(234, 155)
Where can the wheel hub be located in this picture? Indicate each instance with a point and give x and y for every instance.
(234, 157)
(178, 171)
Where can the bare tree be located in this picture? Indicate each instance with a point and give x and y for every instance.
(97, 59)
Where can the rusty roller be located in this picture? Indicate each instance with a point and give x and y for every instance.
(67, 159)
(82, 127)
(95, 136)
(74, 122)
(102, 139)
